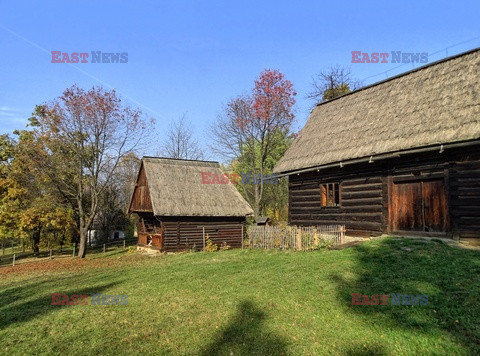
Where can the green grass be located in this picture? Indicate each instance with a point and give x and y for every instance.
(250, 302)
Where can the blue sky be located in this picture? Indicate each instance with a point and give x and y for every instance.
(193, 56)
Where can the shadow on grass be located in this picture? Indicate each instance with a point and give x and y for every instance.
(449, 276)
(245, 335)
(17, 307)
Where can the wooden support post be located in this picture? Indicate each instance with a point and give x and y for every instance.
(73, 255)
(203, 233)
(13, 263)
(123, 243)
(103, 248)
(299, 239)
(50, 253)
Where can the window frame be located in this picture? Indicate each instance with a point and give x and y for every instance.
(325, 189)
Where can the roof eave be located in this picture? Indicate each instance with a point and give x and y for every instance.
(379, 157)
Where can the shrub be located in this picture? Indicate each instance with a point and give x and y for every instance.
(224, 246)
(209, 245)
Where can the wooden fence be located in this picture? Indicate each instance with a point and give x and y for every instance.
(302, 238)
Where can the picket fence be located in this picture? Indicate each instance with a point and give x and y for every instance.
(301, 238)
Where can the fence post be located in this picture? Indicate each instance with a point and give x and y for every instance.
(50, 253)
(124, 243)
(315, 236)
(13, 264)
(299, 238)
(73, 255)
(203, 233)
(103, 248)
(242, 236)
(342, 234)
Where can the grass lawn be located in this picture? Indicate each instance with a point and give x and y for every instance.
(248, 302)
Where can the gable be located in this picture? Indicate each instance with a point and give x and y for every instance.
(141, 199)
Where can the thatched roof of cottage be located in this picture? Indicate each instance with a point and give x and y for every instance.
(432, 105)
(176, 189)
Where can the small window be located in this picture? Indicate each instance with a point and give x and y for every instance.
(330, 194)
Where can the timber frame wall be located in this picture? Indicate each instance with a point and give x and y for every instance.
(184, 233)
(365, 193)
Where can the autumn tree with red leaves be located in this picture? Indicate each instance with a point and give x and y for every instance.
(254, 131)
(79, 141)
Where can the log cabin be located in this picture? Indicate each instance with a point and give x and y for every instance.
(176, 209)
(399, 157)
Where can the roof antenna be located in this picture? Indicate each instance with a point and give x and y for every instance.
(441, 149)
(370, 160)
(341, 165)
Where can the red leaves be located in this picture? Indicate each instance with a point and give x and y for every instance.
(273, 97)
(270, 105)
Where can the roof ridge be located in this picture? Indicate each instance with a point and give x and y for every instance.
(446, 59)
(178, 159)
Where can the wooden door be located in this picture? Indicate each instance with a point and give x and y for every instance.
(435, 206)
(419, 206)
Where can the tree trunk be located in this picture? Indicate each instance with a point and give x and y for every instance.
(82, 250)
(256, 207)
(35, 242)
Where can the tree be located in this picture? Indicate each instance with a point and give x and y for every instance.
(253, 130)
(180, 141)
(332, 83)
(28, 207)
(79, 140)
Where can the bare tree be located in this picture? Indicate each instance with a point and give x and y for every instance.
(80, 139)
(253, 130)
(332, 83)
(180, 141)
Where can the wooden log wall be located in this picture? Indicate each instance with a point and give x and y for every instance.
(186, 233)
(464, 179)
(362, 203)
(366, 188)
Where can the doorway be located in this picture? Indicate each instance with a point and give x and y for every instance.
(419, 206)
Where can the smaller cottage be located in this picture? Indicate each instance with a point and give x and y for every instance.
(177, 207)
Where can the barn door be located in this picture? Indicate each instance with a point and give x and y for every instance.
(419, 206)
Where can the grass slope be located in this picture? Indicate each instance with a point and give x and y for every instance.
(248, 302)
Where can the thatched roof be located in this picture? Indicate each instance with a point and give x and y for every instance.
(176, 189)
(435, 104)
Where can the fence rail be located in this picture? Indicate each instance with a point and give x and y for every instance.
(29, 257)
(302, 238)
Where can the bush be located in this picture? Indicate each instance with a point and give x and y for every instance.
(209, 245)
(224, 246)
